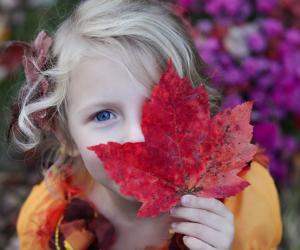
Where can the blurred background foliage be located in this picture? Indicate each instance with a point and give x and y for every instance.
(252, 48)
(19, 20)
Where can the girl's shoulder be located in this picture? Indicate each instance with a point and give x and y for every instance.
(56, 211)
(32, 223)
(256, 210)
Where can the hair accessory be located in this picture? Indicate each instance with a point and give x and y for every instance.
(35, 58)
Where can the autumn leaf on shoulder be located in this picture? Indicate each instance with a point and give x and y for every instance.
(186, 151)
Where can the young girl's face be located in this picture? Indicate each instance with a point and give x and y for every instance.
(105, 104)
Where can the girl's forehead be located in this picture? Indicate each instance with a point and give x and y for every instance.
(101, 79)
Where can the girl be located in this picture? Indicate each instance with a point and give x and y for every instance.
(102, 65)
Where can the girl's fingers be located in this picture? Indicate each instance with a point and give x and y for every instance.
(209, 204)
(208, 235)
(202, 216)
(195, 244)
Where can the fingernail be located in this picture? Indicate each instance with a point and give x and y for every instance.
(172, 210)
(173, 225)
(185, 199)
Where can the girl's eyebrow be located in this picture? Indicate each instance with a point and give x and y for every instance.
(105, 104)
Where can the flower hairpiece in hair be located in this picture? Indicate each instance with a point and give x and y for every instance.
(35, 58)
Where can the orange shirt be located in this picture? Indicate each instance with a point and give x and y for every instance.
(256, 210)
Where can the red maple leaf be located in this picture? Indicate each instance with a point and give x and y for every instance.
(185, 150)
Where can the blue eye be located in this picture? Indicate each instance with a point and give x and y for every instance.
(103, 115)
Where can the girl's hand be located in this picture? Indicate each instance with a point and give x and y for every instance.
(211, 224)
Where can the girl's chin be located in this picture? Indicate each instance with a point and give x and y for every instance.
(116, 189)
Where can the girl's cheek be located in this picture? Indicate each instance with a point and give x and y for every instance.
(94, 166)
(89, 137)
(97, 171)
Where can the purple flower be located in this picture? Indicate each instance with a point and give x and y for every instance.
(204, 26)
(231, 101)
(212, 43)
(216, 76)
(292, 36)
(189, 4)
(236, 10)
(293, 99)
(225, 59)
(259, 96)
(266, 112)
(289, 145)
(185, 3)
(291, 62)
(213, 7)
(207, 49)
(279, 169)
(278, 113)
(270, 73)
(275, 69)
(271, 27)
(287, 95)
(232, 7)
(267, 134)
(254, 66)
(257, 42)
(266, 6)
(265, 81)
(233, 76)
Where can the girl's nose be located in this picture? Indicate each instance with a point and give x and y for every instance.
(133, 133)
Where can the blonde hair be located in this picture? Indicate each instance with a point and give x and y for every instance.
(127, 31)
